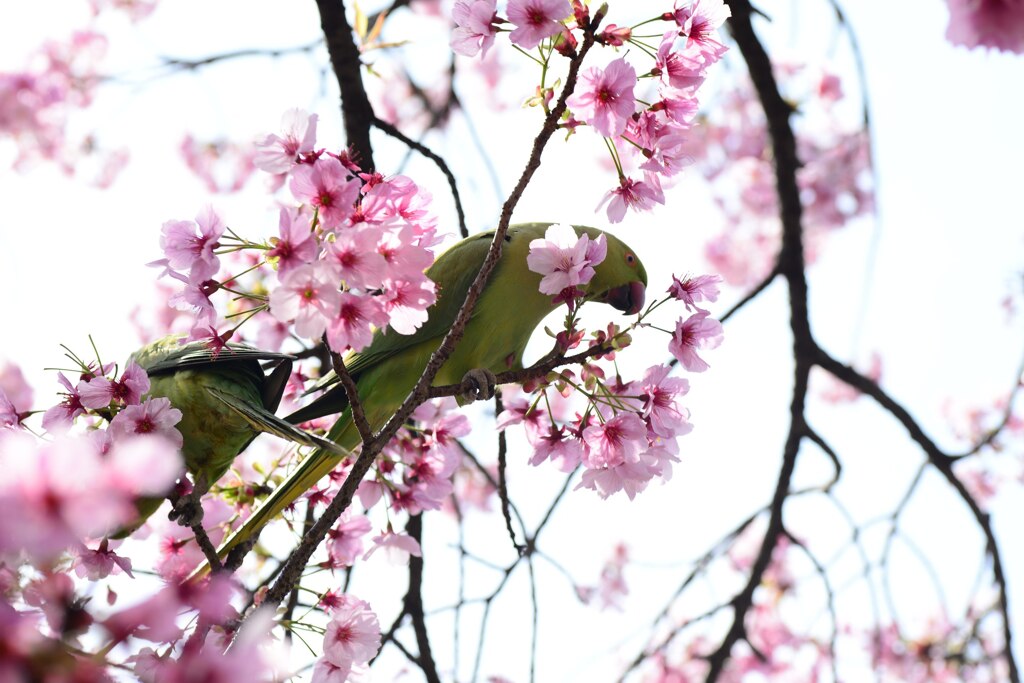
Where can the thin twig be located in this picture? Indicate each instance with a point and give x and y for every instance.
(437, 159)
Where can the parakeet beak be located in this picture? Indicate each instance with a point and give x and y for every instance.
(628, 298)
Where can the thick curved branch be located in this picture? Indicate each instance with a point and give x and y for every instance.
(790, 266)
(413, 604)
(356, 111)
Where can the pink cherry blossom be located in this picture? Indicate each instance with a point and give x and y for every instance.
(95, 564)
(677, 69)
(297, 244)
(696, 332)
(680, 106)
(276, 154)
(326, 671)
(604, 97)
(406, 303)
(665, 416)
(59, 417)
(190, 246)
(308, 295)
(353, 257)
(406, 256)
(222, 165)
(325, 186)
(398, 547)
(8, 413)
(615, 36)
(615, 441)
(345, 540)
(667, 152)
(14, 386)
(639, 195)
(519, 409)
(536, 20)
(154, 416)
(195, 297)
(989, 23)
(100, 392)
(690, 290)
(352, 326)
(563, 258)
(699, 21)
(558, 445)
(474, 27)
(56, 494)
(352, 637)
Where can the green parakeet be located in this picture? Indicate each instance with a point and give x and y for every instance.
(225, 398)
(509, 309)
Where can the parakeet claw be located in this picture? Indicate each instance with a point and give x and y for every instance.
(482, 383)
(188, 510)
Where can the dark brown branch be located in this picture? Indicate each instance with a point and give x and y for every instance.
(791, 266)
(293, 598)
(502, 483)
(871, 388)
(355, 106)
(438, 160)
(352, 392)
(752, 294)
(413, 604)
(827, 450)
(206, 545)
(195, 64)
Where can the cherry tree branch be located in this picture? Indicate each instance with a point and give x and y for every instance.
(356, 112)
(196, 64)
(413, 604)
(791, 266)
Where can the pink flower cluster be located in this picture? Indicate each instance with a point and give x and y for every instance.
(36, 103)
(605, 97)
(57, 494)
(351, 640)
(222, 165)
(627, 435)
(565, 259)
(997, 24)
(477, 22)
(732, 151)
(611, 587)
(349, 259)
(15, 396)
(623, 440)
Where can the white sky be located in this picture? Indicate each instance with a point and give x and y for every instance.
(948, 143)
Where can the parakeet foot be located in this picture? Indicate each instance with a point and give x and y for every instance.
(188, 509)
(482, 383)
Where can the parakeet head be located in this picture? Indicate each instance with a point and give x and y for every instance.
(620, 280)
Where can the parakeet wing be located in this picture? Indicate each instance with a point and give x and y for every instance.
(264, 421)
(191, 356)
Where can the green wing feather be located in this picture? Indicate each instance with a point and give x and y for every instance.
(263, 421)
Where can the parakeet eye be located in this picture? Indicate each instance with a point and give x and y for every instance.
(630, 259)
